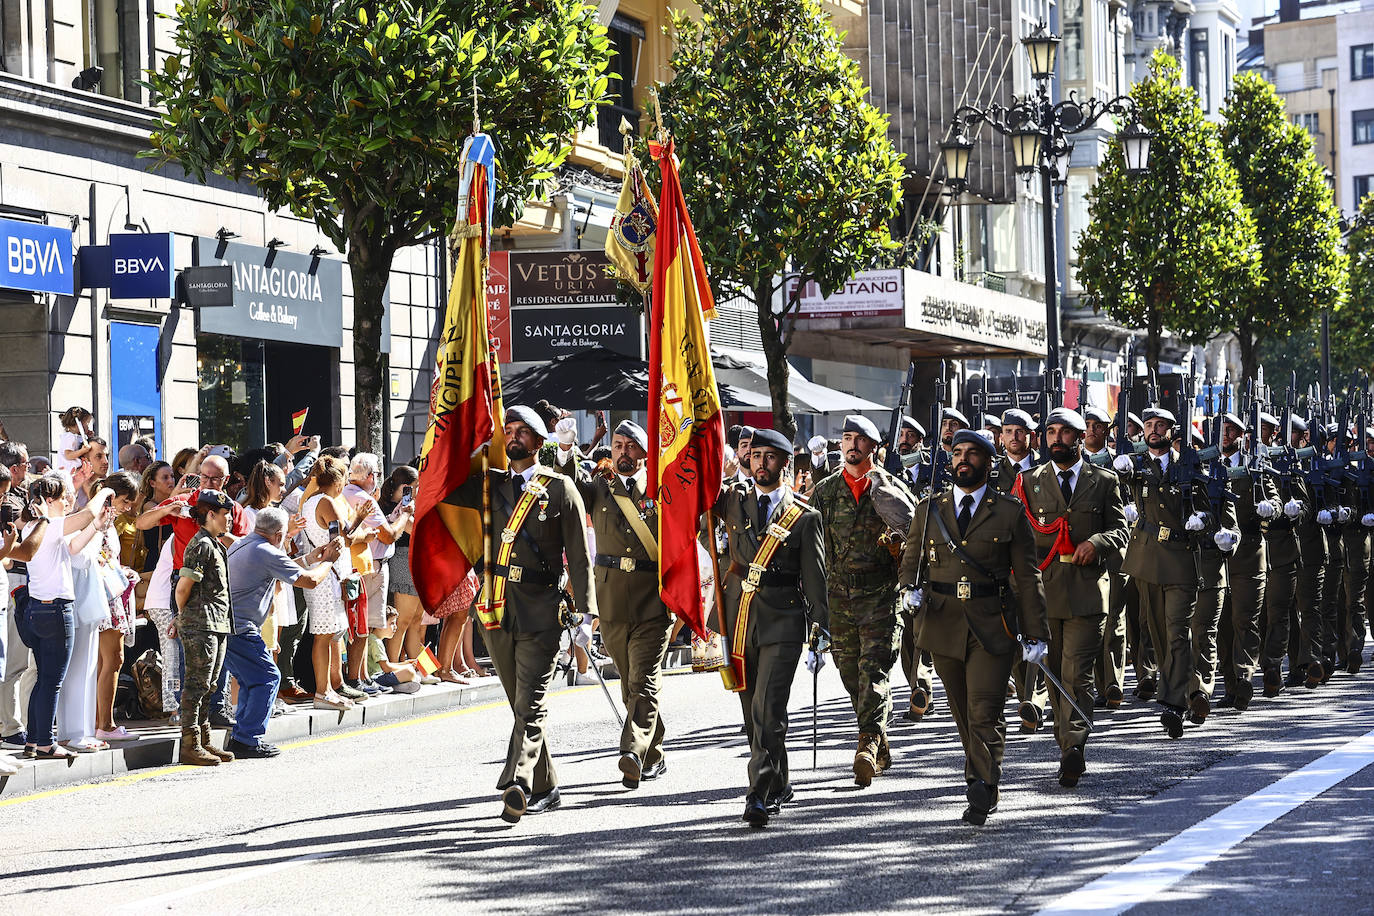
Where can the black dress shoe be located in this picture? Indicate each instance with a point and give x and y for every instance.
(1032, 717)
(1114, 697)
(1273, 682)
(1198, 707)
(755, 812)
(1172, 722)
(1296, 676)
(656, 770)
(1353, 663)
(1244, 691)
(1145, 690)
(262, 751)
(982, 801)
(1226, 702)
(1316, 676)
(514, 803)
(632, 770)
(218, 719)
(544, 801)
(920, 706)
(1072, 766)
(775, 802)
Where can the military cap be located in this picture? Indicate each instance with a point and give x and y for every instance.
(1269, 418)
(770, 438)
(732, 436)
(529, 417)
(1160, 413)
(1299, 423)
(910, 423)
(991, 420)
(1132, 418)
(1096, 414)
(856, 423)
(632, 430)
(747, 432)
(1070, 418)
(970, 437)
(1233, 420)
(213, 501)
(949, 413)
(1018, 417)
(1197, 435)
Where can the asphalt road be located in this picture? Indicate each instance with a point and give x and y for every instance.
(405, 816)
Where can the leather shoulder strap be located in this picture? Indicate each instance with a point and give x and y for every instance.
(958, 551)
(637, 524)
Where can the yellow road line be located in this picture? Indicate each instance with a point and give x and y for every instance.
(130, 778)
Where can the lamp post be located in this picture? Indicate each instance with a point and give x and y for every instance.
(1039, 129)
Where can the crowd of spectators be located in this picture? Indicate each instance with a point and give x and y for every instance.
(247, 583)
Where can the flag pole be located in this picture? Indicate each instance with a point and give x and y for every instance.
(486, 526)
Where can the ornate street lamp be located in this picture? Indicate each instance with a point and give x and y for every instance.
(1039, 129)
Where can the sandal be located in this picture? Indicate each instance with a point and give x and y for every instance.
(54, 752)
(449, 676)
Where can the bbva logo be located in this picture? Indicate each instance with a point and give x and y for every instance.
(30, 257)
(138, 265)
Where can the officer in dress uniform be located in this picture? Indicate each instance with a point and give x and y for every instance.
(779, 600)
(1076, 573)
(635, 623)
(1017, 427)
(1164, 558)
(547, 534)
(962, 548)
(858, 507)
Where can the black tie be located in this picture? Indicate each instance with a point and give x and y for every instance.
(965, 512)
(763, 512)
(1066, 485)
(517, 482)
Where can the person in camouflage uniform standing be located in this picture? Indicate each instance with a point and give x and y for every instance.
(203, 625)
(859, 506)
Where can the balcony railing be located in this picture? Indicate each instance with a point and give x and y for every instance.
(608, 126)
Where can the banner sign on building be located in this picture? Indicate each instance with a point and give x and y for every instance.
(36, 258)
(869, 294)
(141, 266)
(278, 295)
(546, 304)
(207, 287)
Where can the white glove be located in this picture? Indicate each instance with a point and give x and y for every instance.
(816, 445)
(1367, 519)
(1196, 522)
(1324, 517)
(1034, 651)
(1266, 509)
(1292, 508)
(1226, 539)
(1132, 513)
(912, 599)
(565, 431)
(1343, 514)
(1123, 464)
(582, 636)
(815, 661)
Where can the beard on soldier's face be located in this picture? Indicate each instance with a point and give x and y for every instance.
(765, 476)
(1061, 453)
(626, 465)
(1157, 442)
(969, 475)
(517, 451)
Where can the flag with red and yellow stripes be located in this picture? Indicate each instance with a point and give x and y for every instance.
(465, 411)
(686, 425)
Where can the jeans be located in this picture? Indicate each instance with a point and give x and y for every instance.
(51, 626)
(252, 666)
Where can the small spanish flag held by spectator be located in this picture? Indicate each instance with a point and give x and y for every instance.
(426, 661)
(298, 421)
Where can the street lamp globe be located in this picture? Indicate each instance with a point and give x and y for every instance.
(1041, 48)
(956, 152)
(1025, 148)
(1135, 143)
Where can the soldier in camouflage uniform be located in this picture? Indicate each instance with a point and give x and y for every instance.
(858, 507)
(203, 624)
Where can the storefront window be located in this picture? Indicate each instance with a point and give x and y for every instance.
(233, 408)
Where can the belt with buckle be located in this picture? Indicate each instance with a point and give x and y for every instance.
(865, 579)
(756, 576)
(521, 574)
(625, 564)
(964, 589)
(1163, 533)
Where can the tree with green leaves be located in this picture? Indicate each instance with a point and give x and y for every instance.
(1296, 219)
(1175, 248)
(1352, 324)
(787, 168)
(353, 113)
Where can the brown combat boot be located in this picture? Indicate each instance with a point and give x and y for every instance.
(866, 760)
(208, 744)
(191, 751)
(884, 754)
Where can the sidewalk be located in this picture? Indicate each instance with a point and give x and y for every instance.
(159, 743)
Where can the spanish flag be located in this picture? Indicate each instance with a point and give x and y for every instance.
(684, 405)
(464, 406)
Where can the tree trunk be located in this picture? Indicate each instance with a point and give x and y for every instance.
(370, 268)
(776, 352)
(1249, 350)
(1154, 331)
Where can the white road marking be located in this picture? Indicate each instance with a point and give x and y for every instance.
(1170, 862)
(148, 903)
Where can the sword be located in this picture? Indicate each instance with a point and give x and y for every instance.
(591, 663)
(1049, 676)
(818, 644)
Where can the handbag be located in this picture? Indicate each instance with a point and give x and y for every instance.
(19, 600)
(355, 606)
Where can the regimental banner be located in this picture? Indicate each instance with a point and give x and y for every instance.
(278, 295)
(36, 258)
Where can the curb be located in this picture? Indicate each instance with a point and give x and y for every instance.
(160, 744)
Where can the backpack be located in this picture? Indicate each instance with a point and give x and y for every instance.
(147, 673)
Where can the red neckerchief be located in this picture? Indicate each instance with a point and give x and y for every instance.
(1059, 527)
(857, 485)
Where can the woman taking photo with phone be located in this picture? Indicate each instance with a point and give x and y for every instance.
(399, 492)
(326, 516)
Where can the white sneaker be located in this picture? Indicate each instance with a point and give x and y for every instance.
(8, 767)
(583, 680)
